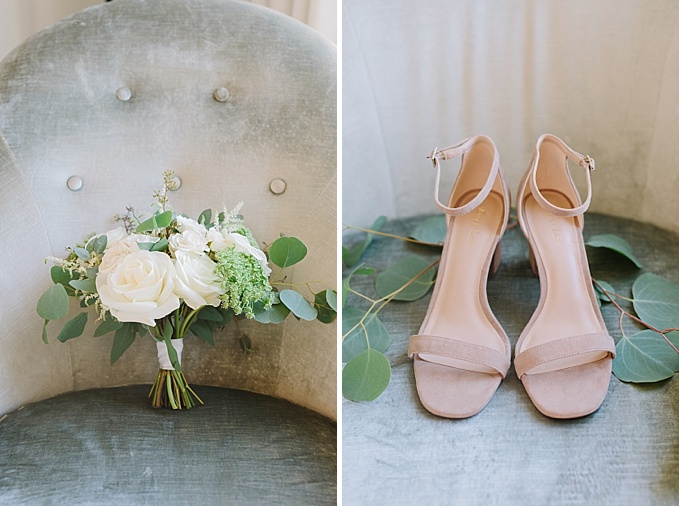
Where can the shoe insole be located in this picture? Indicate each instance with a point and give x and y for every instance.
(567, 309)
(459, 307)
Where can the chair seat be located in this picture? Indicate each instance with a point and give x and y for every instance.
(108, 446)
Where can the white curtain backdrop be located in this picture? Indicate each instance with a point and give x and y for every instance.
(21, 18)
(602, 75)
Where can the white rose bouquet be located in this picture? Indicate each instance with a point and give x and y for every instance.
(169, 275)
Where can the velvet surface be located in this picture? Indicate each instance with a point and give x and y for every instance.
(60, 117)
(108, 446)
(395, 452)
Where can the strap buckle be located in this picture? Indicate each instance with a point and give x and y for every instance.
(433, 155)
(588, 162)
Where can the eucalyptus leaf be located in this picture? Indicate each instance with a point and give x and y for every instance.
(84, 285)
(299, 306)
(356, 342)
(358, 271)
(82, 253)
(326, 314)
(155, 222)
(109, 324)
(331, 297)
(159, 245)
(351, 256)
(201, 329)
(63, 277)
(210, 313)
(44, 331)
(277, 313)
(53, 304)
(399, 274)
(656, 301)
(123, 339)
(171, 352)
(645, 357)
(145, 246)
(600, 295)
(205, 217)
(287, 251)
(99, 244)
(615, 243)
(366, 376)
(73, 328)
(432, 230)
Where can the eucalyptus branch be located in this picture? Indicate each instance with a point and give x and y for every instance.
(388, 298)
(632, 317)
(393, 236)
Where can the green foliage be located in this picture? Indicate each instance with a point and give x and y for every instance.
(656, 300)
(201, 329)
(109, 324)
(73, 328)
(155, 222)
(53, 304)
(351, 256)
(123, 339)
(322, 302)
(601, 297)
(432, 230)
(361, 332)
(287, 251)
(277, 313)
(171, 352)
(358, 271)
(299, 306)
(84, 285)
(614, 243)
(366, 376)
(403, 273)
(645, 357)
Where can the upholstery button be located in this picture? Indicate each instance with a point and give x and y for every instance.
(277, 186)
(74, 183)
(221, 94)
(123, 93)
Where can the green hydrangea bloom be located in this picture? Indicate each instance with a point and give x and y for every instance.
(243, 281)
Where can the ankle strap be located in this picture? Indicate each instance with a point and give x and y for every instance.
(582, 160)
(459, 150)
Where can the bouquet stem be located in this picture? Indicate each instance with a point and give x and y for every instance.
(172, 390)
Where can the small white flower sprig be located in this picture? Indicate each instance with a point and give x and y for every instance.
(169, 274)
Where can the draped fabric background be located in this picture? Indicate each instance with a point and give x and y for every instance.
(21, 18)
(604, 76)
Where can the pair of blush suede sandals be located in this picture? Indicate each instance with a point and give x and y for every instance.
(461, 353)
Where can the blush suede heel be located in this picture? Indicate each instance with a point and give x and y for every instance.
(461, 353)
(564, 355)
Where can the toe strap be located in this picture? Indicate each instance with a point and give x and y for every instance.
(452, 348)
(562, 348)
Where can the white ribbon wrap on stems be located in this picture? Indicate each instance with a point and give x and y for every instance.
(164, 357)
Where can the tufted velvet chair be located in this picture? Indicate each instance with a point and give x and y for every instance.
(240, 102)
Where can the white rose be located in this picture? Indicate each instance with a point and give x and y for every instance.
(140, 289)
(188, 241)
(184, 224)
(121, 248)
(114, 236)
(222, 240)
(196, 281)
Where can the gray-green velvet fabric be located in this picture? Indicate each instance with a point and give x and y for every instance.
(395, 452)
(108, 446)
